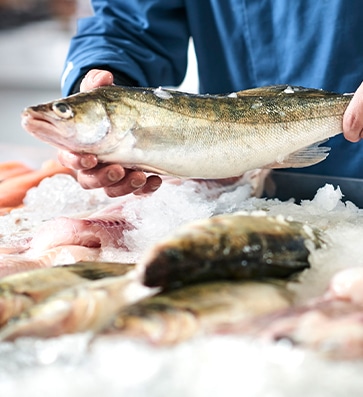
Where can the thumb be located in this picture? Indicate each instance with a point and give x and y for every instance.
(96, 78)
(353, 117)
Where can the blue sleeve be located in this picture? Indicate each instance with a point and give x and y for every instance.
(145, 39)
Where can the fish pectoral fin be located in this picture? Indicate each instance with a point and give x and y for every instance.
(304, 157)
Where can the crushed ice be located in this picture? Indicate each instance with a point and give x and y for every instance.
(289, 90)
(211, 366)
(162, 93)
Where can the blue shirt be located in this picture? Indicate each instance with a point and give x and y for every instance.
(239, 44)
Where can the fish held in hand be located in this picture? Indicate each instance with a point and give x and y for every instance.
(193, 136)
(230, 246)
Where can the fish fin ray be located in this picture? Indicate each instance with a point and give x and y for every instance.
(304, 157)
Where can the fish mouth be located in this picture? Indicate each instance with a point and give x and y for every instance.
(42, 127)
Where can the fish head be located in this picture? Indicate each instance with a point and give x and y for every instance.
(81, 123)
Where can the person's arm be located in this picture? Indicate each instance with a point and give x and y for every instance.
(145, 40)
(353, 117)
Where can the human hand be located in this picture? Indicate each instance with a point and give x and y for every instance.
(116, 180)
(353, 117)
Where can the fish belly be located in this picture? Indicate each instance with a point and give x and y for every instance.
(221, 150)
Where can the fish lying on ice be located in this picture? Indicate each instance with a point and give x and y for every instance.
(64, 240)
(60, 255)
(172, 317)
(193, 136)
(93, 232)
(84, 307)
(20, 291)
(330, 325)
(232, 246)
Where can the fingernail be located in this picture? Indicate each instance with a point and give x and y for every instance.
(113, 176)
(154, 187)
(95, 77)
(86, 162)
(136, 184)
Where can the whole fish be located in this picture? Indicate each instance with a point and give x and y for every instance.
(230, 246)
(172, 317)
(21, 291)
(193, 136)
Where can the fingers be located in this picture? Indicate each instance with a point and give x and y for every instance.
(96, 78)
(102, 175)
(353, 117)
(152, 184)
(77, 161)
(116, 180)
(134, 182)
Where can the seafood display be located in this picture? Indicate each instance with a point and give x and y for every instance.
(75, 305)
(88, 231)
(66, 299)
(258, 296)
(190, 136)
(229, 274)
(99, 319)
(232, 246)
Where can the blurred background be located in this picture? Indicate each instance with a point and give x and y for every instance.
(34, 39)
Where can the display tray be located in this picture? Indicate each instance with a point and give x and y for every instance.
(287, 185)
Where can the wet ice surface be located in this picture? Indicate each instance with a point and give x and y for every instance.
(209, 366)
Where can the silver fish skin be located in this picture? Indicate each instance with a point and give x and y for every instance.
(193, 136)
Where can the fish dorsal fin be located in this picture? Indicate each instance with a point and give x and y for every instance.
(282, 90)
(304, 157)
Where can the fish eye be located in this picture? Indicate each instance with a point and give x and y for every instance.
(62, 110)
